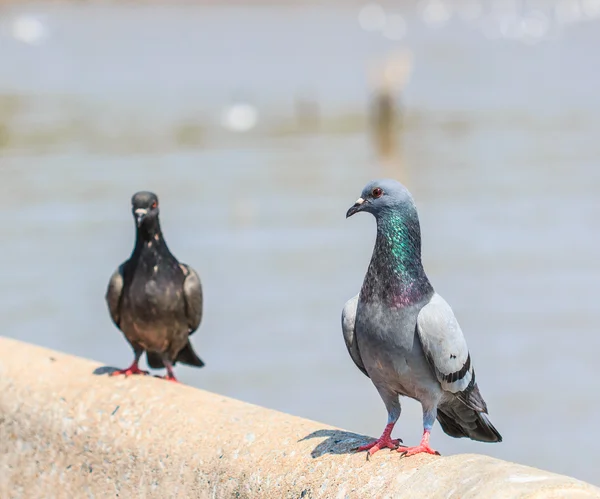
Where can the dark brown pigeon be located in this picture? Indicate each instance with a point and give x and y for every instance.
(153, 299)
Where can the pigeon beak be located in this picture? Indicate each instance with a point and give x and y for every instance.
(356, 207)
(140, 213)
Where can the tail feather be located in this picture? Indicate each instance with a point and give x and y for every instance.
(459, 420)
(450, 426)
(472, 398)
(189, 357)
(186, 356)
(154, 360)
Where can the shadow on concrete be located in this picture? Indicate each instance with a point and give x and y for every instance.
(336, 442)
(100, 371)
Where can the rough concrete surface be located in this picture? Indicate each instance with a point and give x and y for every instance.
(66, 432)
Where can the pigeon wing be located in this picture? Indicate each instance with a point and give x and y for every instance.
(447, 353)
(192, 292)
(348, 323)
(114, 293)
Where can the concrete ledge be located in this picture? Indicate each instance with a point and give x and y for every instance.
(67, 433)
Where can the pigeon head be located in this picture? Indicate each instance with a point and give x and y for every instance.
(380, 197)
(144, 206)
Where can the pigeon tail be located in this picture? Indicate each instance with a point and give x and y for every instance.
(459, 420)
(189, 357)
(185, 356)
(155, 360)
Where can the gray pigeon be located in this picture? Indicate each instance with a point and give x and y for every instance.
(153, 299)
(404, 336)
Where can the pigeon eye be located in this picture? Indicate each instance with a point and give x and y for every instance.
(377, 192)
(154, 205)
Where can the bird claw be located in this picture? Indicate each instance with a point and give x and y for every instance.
(130, 371)
(419, 449)
(166, 377)
(377, 445)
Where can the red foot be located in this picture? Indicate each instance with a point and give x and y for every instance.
(132, 369)
(422, 448)
(170, 378)
(384, 442)
(419, 449)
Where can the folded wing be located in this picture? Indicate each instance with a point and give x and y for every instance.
(192, 292)
(114, 293)
(348, 324)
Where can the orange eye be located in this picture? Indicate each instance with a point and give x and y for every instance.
(377, 192)
(154, 205)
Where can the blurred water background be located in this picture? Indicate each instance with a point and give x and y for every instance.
(252, 123)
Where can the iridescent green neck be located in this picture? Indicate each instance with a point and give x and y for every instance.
(398, 246)
(396, 274)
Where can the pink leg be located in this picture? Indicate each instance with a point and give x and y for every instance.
(385, 441)
(423, 447)
(170, 376)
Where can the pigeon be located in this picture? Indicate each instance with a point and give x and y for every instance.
(153, 299)
(404, 336)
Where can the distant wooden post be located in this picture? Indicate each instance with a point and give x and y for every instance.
(388, 79)
(308, 116)
(384, 122)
